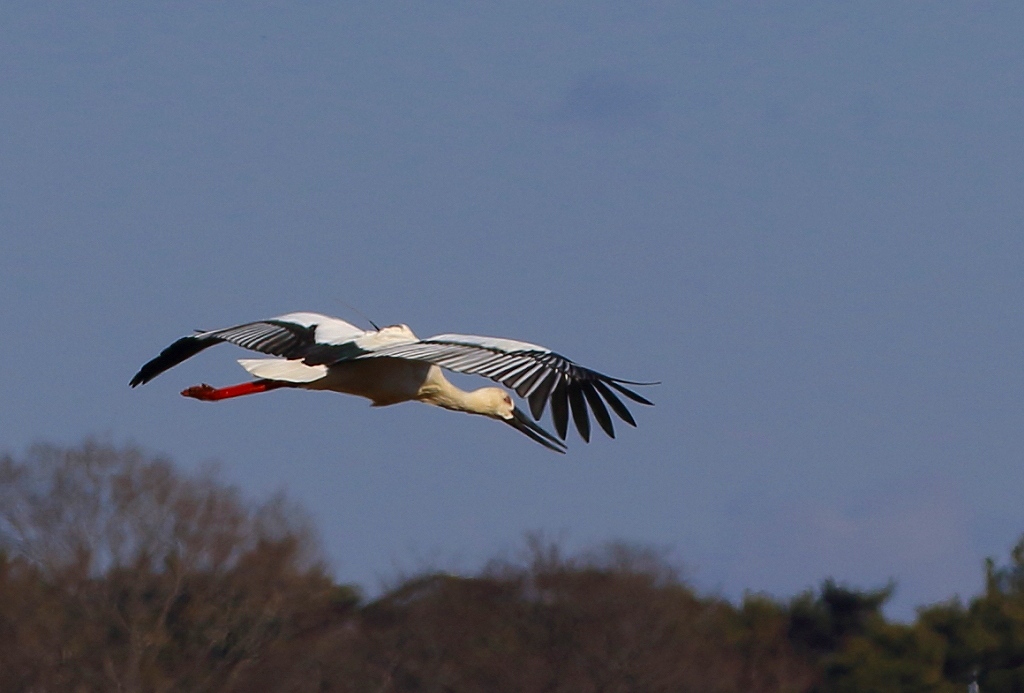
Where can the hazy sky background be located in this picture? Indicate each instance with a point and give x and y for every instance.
(804, 219)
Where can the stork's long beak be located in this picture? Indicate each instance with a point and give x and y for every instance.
(523, 424)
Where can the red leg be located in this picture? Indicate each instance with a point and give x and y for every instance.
(208, 393)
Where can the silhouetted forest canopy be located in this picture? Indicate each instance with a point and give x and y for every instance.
(118, 572)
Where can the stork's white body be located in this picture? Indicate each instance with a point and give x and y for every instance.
(392, 365)
(383, 381)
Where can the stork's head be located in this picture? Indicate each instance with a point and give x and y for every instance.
(494, 402)
(498, 404)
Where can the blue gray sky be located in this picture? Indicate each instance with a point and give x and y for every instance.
(804, 219)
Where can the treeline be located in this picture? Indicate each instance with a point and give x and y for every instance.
(119, 573)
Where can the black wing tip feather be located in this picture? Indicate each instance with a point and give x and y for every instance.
(581, 393)
(600, 411)
(617, 384)
(579, 410)
(560, 407)
(558, 388)
(645, 383)
(182, 349)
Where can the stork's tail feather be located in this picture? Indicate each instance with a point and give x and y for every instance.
(290, 371)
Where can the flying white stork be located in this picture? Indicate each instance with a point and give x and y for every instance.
(392, 365)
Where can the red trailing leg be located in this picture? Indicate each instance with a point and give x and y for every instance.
(208, 393)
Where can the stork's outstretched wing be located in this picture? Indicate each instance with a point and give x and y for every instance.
(536, 374)
(314, 338)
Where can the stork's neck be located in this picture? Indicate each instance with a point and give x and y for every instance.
(439, 392)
